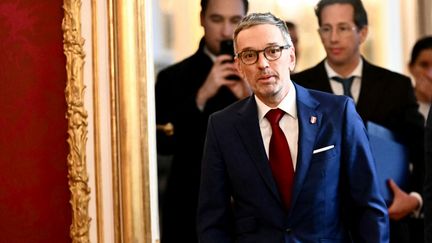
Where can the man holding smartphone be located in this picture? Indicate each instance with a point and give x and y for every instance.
(227, 48)
(186, 94)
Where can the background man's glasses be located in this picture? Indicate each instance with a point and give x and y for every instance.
(342, 30)
(271, 53)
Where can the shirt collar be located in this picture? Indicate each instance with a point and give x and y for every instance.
(288, 104)
(208, 53)
(332, 73)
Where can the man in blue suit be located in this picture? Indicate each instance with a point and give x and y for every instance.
(335, 195)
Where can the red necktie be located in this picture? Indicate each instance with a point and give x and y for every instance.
(280, 157)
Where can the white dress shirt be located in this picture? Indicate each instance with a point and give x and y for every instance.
(288, 123)
(338, 87)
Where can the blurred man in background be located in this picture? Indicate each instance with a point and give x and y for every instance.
(420, 66)
(381, 96)
(186, 94)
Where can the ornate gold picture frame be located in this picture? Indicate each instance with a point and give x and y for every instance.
(130, 123)
(77, 121)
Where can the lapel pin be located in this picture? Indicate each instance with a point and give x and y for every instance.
(313, 119)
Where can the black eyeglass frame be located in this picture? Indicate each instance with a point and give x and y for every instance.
(257, 52)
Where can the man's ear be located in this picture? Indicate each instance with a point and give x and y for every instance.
(292, 58)
(363, 34)
(202, 18)
(238, 65)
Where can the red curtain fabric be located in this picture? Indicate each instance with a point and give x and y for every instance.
(34, 194)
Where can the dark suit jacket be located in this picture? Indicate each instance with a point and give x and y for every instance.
(386, 98)
(428, 181)
(175, 94)
(328, 203)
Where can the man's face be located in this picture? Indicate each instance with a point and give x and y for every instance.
(421, 69)
(220, 20)
(268, 79)
(423, 64)
(339, 34)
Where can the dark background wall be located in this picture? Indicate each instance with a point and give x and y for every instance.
(34, 194)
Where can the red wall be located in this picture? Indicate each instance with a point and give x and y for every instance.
(34, 194)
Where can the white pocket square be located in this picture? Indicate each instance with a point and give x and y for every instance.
(322, 149)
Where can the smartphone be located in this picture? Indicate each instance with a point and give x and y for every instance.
(227, 47)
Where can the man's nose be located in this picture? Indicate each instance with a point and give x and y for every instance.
(262, 61)
(334, 35)
(227, 30)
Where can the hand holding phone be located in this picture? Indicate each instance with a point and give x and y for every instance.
(227, 48)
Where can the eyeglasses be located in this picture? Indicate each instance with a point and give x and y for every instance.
(342, 30)
(271, 53)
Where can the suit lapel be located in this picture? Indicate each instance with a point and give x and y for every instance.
(368, 88)
(249, 131)
(250, 134)
(306, 108)
(321, 78)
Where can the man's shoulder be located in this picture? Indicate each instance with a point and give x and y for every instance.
(193, 68)
(236, 106)
(312, 77)
(377, 71)
(331, 105)
(187, 63)
(320, 96)
(309, 72)
(231, 111)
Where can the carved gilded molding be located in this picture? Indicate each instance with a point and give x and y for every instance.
(77, 122)
(135, 212)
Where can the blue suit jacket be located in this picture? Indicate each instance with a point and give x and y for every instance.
(335, 197)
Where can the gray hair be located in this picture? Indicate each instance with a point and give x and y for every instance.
(254, 19)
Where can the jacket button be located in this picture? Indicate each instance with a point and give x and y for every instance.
(288, 230)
